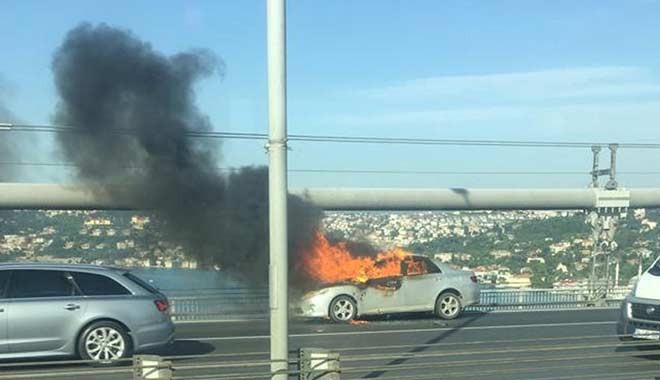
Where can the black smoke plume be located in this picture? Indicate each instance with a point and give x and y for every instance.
(132, 109)
(8, 149)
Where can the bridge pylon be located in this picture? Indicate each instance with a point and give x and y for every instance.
(611, 206)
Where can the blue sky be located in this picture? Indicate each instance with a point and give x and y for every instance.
(561, 70)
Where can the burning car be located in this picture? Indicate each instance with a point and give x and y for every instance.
(419, 284)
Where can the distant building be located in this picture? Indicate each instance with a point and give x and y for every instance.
(189, 264)
(519, 281)
(138, 222)
(98, 222)
(569, 283)
(648, 225)
(500, 254)
(445, 257)
(561, 246)
(535, 260)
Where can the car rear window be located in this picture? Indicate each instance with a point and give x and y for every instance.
(145, 285)
(98, 285)
(40, 284)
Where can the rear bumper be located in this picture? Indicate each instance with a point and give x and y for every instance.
(471, 296)
(154, 336)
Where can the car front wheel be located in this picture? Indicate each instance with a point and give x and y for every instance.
(343, 309)
(104, 342)
(448, 305)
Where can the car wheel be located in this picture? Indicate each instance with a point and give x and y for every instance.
(448, 305)
(105, 342)
(343, 309)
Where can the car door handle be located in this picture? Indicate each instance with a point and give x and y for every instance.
(72, 306)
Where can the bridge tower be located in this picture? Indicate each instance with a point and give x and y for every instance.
(612, 203)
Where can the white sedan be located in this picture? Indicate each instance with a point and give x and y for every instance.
(425, 285)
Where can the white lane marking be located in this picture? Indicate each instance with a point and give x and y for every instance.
(407, 331)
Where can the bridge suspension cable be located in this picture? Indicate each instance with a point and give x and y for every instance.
(368, 171)
(350, 139)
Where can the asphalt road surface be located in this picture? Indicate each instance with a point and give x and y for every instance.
(521, 345)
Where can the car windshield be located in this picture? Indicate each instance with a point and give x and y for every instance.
(655, 269)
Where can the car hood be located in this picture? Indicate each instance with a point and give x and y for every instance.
(648, 286)
(332, 289)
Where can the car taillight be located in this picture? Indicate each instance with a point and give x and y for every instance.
(473, 279)
(162, 305)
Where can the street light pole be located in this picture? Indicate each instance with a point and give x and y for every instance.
(277, 188)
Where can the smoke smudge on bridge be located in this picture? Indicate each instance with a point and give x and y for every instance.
(131, 109)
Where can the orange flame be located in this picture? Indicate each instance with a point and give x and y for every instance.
(327, 263)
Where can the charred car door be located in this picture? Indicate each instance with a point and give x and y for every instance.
(419, 284)
(381, 295)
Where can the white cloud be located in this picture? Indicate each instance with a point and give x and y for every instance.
(521, 87)
(608, 102)
(503, 113)
(593, 121)
(430, 117)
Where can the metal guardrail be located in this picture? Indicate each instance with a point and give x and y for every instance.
(243, 303)
(220, 304)
(543, 299)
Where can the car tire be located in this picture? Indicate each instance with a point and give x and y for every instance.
(342, 309)
(448, 305)
(105, 343)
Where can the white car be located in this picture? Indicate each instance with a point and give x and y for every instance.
(640, 311)
(425, 285)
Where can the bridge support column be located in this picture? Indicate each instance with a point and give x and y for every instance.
(148, 367)
(277, 188)
(319, 364)
(612, 205)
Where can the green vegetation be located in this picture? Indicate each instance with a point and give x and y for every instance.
(557, 242)
(534, 238)
(78, 235)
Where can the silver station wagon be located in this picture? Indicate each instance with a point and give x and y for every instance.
(95, 313)
(431, 286)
